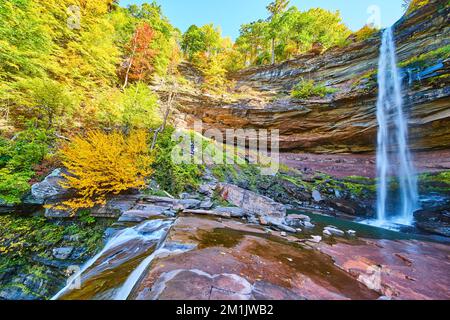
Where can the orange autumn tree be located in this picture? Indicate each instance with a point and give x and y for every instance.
(101, 164)
(140, 55)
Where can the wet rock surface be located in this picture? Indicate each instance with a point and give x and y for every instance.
(104, 276)
(235, 261)
(231, 260)
(401, 270)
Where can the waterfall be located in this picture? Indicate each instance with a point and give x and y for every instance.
(393, 154)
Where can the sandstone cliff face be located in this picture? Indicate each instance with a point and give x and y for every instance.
(344, 121)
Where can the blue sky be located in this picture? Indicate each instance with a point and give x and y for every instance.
(230, 14)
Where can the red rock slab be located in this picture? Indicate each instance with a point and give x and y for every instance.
(404, 270)
(231, 257)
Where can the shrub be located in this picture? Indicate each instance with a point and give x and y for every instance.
(17, 160)
(101, 164)
(13, 185)
(136, 107)
(365, 33)
(29, 148)
(48, 103)
(172, 177)
(428, 58)
(307, 88)
(416, 4)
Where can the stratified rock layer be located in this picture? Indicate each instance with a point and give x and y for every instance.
(344, 121)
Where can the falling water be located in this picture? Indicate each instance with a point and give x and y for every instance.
(107, 266)
(393, 154)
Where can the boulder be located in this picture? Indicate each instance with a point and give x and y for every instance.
(206, 204)
(170, 213)
(185, 204)
(116, 206)
(297, 220)
(282, 227)
(53, 213)
(187, 196)
(207, 189)
(141, 213)
(351, 233)
(252, 202)
(335, 231)
(62, 253)
(347, 206)
(436, 221)
(234, 212)
(308, 225)
(49, 190)
(263, 221)
(327, 233)
(317, 196)
(159, 201)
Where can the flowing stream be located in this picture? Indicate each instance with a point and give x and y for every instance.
(112, 274)
(393, 154)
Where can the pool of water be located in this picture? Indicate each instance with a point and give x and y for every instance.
(365, 229)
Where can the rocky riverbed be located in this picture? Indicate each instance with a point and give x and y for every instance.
(235, 253)
(220, 242)
(302, 218)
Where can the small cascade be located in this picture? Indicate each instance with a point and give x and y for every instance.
(133, 279)
(103, 275)
(394, 158)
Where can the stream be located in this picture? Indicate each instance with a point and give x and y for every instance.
(106, 275)
(120, 271)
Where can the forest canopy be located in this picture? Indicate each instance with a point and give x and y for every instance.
(72, 67)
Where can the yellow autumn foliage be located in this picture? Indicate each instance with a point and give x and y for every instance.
(416, 4)
(101, 164)
(365, 32)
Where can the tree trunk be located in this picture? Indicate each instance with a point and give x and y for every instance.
(166, 116)
(127, 73)
(131, 61)
(273, 51)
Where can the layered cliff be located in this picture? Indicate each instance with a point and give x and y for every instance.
(345, 120)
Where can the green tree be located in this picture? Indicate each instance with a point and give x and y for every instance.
(252, 40)
(206, 39)
(140, 108)
(136, 107)
(25, 42)
(47, 101)
(276, 9)
(193, 41)
(289, 32)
